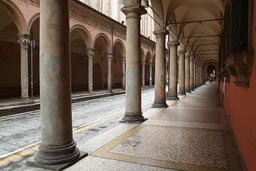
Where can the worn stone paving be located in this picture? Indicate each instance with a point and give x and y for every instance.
(192, 134)
(18, 131)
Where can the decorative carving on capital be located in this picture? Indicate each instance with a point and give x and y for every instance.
(24, 40)
(160, 33)
(124, 59)
(133, 11)
(90, 53)
(187, 55)
(182, 52)
(173, 43)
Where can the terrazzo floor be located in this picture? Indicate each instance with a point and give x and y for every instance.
(192, 134)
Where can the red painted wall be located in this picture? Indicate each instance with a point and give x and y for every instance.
(240, 107)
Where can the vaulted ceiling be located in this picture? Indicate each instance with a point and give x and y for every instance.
(197, 24)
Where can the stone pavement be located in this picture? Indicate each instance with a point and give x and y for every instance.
(18, 105)
(20, 131)
(191, 135)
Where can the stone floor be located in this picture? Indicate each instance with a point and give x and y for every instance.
(192, 134)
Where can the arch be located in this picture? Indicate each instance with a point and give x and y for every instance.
(79, 59)
(102, 48)
(16, 15)
(34, 35)
(10, 51)
(32, 20)
(83, 33)
(122, 45)
(97, 77)
(106, 39)
(117, 64)
(211, 62)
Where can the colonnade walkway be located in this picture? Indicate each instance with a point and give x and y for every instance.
(192, 134)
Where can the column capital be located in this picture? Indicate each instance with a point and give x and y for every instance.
(173, 43)
(182, 52)
(133, 11)
(90, 53)
(124, 59)
(160, 33)
(24, 39)
(109, 56)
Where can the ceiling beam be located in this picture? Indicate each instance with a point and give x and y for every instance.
(195, 21)
(213, 35)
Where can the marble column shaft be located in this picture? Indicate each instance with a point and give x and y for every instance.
(160, 71)
(90, 55)
(182, 72)
(191, 74)
(187, 73)
(195, 74)
(57, 146)
(24, 47)
(123, 72)
(198, 76)
(109, 58)
(143, 73)
(173, 71)
(151, 74)
(133, 64)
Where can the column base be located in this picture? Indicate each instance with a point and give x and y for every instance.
(182, 93)
(133, 118)
(54, 158)
(173, 98)
(159, 105)
(188, 91)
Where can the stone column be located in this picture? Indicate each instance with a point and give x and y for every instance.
(195, 74)
(198, 75)
(90, 55)
(24, 47)
(173, 71)
(202, 76)
(133, 64)
(151, 74)
(57, 149)
(143, 73)
(109, 57)
(182, 72)
(160, 71)
(187, 73)
(123, 70)
(191, 73)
